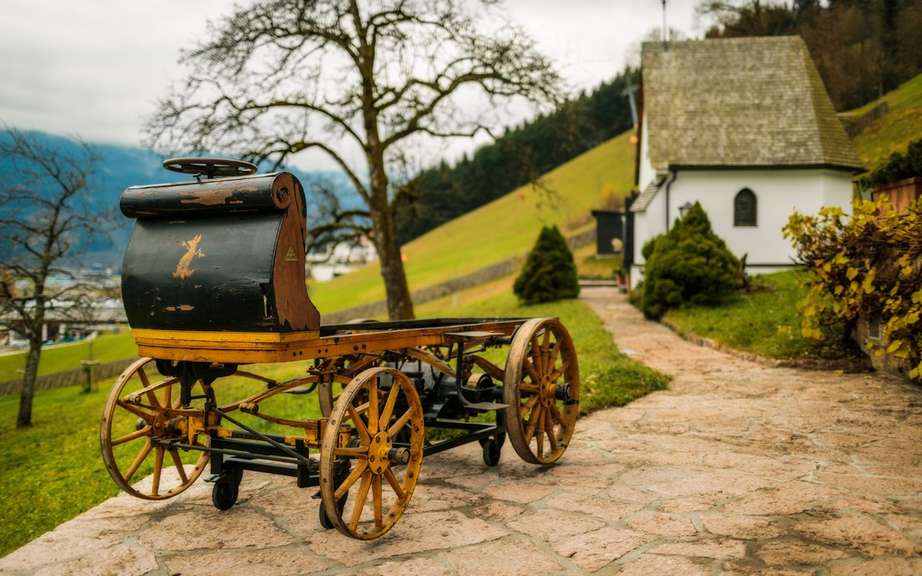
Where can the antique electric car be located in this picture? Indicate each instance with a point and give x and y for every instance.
(214, 280)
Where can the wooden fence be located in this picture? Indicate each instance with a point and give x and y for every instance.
(901, 194)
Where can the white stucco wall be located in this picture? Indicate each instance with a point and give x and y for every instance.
(779, 192)
(648, 224)
(645, 169)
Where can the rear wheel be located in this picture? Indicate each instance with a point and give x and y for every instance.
(142, 414)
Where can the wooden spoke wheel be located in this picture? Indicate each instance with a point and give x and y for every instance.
(144, 408)
(541, 387)
(361, 458)
(328, 390)
(346, 368)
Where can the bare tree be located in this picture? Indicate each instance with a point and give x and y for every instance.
(332, 223)
(353, 79)
(45, 215)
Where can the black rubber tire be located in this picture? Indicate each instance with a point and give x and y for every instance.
(492, 451)
(325, 522)
(341, 474)
(226, 490)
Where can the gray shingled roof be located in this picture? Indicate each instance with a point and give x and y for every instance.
(740, 102)
(646, 195)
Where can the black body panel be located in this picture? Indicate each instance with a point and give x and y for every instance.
(202, 274)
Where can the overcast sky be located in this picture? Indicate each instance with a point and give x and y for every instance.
(94, 68)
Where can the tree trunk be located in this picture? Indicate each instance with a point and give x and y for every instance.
(28, 382)
(399, 303)
(384, 227)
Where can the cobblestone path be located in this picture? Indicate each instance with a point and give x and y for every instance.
(738, 468)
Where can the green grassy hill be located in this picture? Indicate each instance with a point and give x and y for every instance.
(894, 130)
(503, 228)
(509, 225)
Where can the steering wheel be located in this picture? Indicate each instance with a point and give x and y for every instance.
(210, 167)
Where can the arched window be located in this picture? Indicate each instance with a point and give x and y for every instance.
(745, 208)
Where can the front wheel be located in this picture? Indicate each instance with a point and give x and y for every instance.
(226, 490)
(491, 450)
(541, 389)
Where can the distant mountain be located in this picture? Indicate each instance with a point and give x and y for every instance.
(123, 166)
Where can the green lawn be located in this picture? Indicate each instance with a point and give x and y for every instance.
(593, 267)
(53, 471)
(894, 131)
(105, 348)
(764, 321)
(503, 228)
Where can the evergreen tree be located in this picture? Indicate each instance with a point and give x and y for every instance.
(862, 48)
(549, 273)
(690, 264)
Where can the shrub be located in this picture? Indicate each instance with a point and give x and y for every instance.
(549, 272)
(687, 265)
(897, 167)
(870, 263)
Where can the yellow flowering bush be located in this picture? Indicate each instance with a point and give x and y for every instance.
(868, 263)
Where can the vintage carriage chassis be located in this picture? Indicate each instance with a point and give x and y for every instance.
(379, 418)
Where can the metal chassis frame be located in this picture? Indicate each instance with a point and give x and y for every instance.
(259, 452)
(249, 449)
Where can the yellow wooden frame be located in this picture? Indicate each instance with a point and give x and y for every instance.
(265, 347)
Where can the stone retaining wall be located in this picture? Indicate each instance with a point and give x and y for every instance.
(873, 115)
(482, 276)
(68, 378)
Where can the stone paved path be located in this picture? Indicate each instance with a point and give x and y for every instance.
(737, 469)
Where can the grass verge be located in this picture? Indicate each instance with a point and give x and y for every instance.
(593, 267)
(764, 321)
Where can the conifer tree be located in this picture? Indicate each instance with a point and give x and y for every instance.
(549, 273)
(690, 264)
